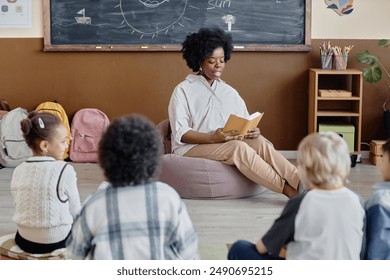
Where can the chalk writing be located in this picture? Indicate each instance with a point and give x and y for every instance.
(212, 4)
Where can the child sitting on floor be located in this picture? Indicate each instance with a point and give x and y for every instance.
(134, 217)
(378, 213)
(327, 221)
(44, 187)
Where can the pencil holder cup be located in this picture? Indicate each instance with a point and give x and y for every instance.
(340, 62)
(326, 61)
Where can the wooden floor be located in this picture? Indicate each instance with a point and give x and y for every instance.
(217, 221)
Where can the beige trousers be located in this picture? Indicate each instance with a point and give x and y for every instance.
(257, 159)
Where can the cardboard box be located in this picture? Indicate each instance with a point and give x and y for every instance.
(334, 93)
(376, 147)
(347, 131)
(376, 159)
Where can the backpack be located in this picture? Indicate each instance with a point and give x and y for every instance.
(56, 109)
(13, 147)
(87, 128)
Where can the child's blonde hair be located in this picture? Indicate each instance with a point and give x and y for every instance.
(323, 160)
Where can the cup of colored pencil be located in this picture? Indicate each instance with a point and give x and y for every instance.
(326, 61)
(326, 53)
(341, 57)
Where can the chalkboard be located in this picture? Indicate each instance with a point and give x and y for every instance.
(158, 25)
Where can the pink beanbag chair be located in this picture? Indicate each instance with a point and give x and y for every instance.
(198, 178)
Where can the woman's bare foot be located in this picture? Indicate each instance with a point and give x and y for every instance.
(289, 191)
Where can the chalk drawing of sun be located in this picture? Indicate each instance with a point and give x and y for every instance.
(149, 18)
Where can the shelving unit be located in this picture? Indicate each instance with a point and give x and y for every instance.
(339, 110)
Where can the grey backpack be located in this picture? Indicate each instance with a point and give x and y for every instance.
(13, 147)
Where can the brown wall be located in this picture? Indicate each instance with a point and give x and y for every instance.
(125, 82)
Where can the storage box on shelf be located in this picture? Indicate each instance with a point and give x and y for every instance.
(335, 97)
(347, 131)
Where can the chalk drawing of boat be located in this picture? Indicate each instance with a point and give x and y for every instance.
(83, 19)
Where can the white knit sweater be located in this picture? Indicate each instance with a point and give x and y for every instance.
(45, 204)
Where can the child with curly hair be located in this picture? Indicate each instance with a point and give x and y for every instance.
(200, 106)
(44, 187)
(133, 217)
(326, 222)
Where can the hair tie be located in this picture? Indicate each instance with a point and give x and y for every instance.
(41, 123)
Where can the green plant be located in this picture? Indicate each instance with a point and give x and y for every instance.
(376, 70)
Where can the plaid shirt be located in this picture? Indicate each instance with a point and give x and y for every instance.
(145, 222)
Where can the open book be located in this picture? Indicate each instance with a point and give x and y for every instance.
(242, 124)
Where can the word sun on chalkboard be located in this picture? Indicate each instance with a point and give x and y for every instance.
(163, 24)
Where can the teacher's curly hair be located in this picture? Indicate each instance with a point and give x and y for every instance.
(200, 45)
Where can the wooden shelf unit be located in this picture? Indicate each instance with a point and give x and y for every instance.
(343, 110)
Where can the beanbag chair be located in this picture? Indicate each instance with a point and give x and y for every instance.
(199, 178)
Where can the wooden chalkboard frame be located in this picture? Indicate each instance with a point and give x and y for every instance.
(49, 46)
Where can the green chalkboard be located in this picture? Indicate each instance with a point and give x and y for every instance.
(161, 25)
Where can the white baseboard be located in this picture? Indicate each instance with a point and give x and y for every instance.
(293, 155)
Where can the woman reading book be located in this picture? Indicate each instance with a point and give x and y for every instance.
(200, 107)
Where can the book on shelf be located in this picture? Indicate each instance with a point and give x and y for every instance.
(242, 125)
(334, 93)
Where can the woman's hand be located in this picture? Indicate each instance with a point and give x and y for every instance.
(194, 137)
(253, 133)
(220, 136)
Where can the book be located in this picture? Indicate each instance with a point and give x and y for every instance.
(241, 124)
(334, 93)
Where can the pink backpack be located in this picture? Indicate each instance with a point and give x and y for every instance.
(87, 128)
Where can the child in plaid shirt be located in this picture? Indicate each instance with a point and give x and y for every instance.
(133, 217)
